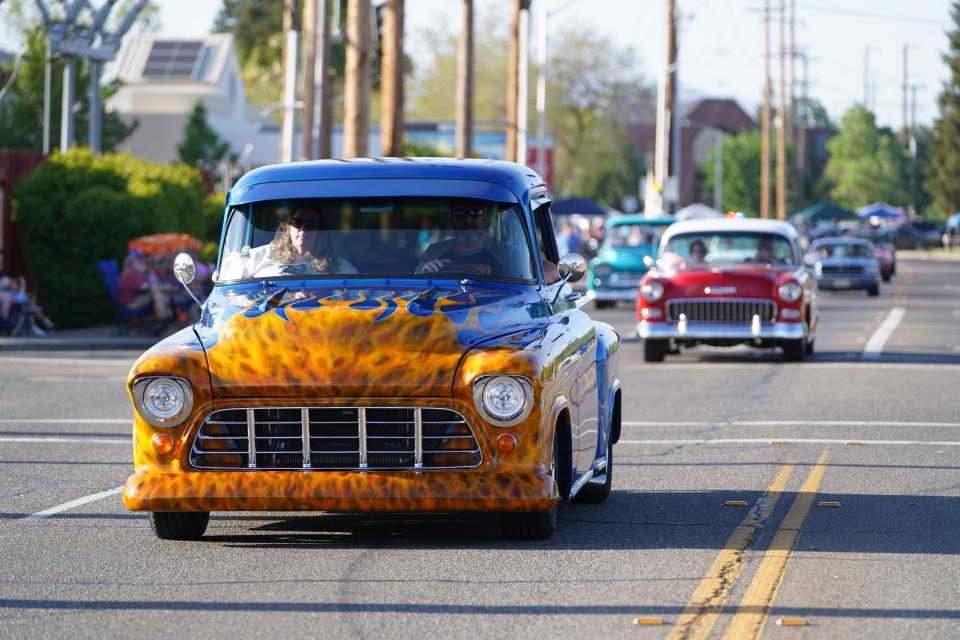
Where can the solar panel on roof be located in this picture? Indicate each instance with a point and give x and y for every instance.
(173, 59)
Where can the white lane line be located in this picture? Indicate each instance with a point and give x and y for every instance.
(767, 441)
(878, 340)
(797, 423)
(65, 440)
(65, 361)
(73, 503)
(744, 366)
(66, 420)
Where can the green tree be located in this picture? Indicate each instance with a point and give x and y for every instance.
(867, 163)
(201, 144)
(741, 173)
(944, 167)
(21, 111)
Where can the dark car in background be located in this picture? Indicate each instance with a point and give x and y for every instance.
(918, 235)
(884, 250)
(845, 263)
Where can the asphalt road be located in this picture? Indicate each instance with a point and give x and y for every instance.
(876, 432)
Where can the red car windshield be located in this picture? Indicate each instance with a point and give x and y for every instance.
(732, 248)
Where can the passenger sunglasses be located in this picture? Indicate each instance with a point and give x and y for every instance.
(306, 225)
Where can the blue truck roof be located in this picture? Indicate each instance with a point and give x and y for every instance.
(365, 176)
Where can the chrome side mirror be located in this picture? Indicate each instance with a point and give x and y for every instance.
(184, 268)
(572, 267)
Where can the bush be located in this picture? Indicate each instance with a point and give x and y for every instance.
(76, 209)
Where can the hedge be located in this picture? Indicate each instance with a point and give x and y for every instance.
(77, 209)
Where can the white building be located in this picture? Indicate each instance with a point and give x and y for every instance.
(163, 79)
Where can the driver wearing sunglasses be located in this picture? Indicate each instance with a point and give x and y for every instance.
(302, 246)
(471, 250)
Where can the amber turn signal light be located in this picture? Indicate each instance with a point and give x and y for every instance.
(162, 444)
(506, 442)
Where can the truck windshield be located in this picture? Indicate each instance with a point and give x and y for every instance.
(397, 237)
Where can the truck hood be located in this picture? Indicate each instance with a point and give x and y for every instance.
(309, 339)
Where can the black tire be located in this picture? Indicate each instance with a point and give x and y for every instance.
(605, 304)
(886, 276)
(654, 350)
(873, 291)
(537, 525)
(794, 350)
(809, 347)
(594, 492)
(179, 525)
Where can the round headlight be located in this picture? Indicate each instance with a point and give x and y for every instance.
(503, 397)
(163, 402)
(651, 291)
(790, 291)
(602, 270)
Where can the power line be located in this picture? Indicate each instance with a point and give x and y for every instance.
(876, 16)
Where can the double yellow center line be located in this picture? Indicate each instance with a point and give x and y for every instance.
(704, 608)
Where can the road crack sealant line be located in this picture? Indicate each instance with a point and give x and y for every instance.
(701, 613)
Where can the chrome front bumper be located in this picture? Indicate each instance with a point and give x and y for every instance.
(721, 331)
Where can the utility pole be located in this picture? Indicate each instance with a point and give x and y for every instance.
(523, 82)
(289, 79)
(356, 95)
(325, 128)
(391, 80)
(765, 118)
(802, 129)
(781, 121)
(672, 118)
(905, 131)
(309, 77)
(791, 113)
(866, 77)
(542, 55)
(464, 105)
(513, 80)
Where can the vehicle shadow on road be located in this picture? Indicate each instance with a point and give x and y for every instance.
(864, 523)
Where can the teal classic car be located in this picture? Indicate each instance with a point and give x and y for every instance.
(616, 271)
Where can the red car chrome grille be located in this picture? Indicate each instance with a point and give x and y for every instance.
(335, 438)
(724, 311)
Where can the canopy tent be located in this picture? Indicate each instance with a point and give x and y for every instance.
(165, 244)
(882, 211)
(822, 212)
(583, 206)
(697, 211)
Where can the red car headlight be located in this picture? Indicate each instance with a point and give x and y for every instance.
(651, 291)
(790, 291)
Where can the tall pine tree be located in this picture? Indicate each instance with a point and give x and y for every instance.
(943, 172)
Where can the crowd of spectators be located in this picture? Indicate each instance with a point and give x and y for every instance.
(149, 293)
(19, 313)
(579, 234)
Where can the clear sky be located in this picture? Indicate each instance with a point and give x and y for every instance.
(721, 42)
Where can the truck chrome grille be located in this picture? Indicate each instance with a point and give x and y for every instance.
(335, 438)
(721, 311)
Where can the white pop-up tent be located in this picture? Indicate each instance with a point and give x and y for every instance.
(697, 211)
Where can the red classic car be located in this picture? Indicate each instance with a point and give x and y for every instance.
(726, 281)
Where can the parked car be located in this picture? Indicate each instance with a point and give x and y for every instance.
(616, 271)
(726, 282)
(397, 335)
(918, 235)
(845, 263)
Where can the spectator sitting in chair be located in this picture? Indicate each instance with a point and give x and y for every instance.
(140, 292)
(19, 313)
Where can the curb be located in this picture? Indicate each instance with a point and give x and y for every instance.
(928, 256)
(72, 344)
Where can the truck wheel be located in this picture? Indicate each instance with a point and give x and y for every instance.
(597, 492)
(654, 350)
(179, 525)
(873, 291)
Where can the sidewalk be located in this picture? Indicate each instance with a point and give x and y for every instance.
(940, 255)
(93, 339)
